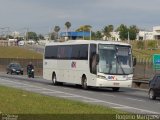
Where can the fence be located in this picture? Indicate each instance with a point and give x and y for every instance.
(38, 64)
(142, 71)
(7, 43)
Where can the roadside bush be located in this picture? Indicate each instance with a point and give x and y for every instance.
(140, 45)
(151, 44)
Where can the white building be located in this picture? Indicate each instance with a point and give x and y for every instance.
(142, 35)
(156, 32)
(15, 34)
(145, 35)
(115, 36)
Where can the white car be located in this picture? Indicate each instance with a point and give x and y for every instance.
(21, 43)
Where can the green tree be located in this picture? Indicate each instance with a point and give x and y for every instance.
(20, 38)
(68, 25)
(40, 37)
(32, 35)
(86, 28)
(98, 35)
(93, 35)
(123, 32)
(56, 30)
(107, 31)
(133, 30)
(53, 35)
(10, 37)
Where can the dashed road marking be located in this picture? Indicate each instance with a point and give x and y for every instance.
(68, 96)
(91, 101)
(50, 92)
(121, 107)
(135, 99)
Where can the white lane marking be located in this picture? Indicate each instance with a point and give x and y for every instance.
(109, 95)
(49, 92)
(135, 99)
(68, 96)
(148, 111)
(34, 89)
(67, 88)
(91, 101)
(121, 107)
(26, 86)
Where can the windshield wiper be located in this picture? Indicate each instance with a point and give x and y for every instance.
(110, 68)
(120, 65)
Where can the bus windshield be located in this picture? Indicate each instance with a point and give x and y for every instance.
(115, 59)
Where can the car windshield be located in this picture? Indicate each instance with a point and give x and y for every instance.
(115, 59)
(16, 65)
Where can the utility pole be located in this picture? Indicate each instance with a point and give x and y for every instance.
(83, 33)
(26, 34)
(128, 37)
(7, 34)
(90, 34)
(50, 34)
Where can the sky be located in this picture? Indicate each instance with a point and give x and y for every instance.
(42, 15)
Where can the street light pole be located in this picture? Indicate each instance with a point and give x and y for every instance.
(90, 34)
(83, 33)
(128, 37)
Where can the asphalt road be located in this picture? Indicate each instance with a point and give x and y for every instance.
(130, 100)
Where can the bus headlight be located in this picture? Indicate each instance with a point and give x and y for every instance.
(101, 77)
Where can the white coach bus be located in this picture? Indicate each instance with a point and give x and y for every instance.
(89, 63)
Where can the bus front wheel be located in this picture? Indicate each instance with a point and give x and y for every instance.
(84, 83)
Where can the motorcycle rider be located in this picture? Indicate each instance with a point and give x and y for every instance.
(30, 67)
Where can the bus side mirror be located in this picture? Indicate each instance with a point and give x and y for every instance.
(134, 61)
(97, 58)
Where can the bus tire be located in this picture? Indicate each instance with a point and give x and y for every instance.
(115, 89)
(54, 79)
(84, 83)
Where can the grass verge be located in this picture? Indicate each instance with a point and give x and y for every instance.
(29, 105)
(18, 52)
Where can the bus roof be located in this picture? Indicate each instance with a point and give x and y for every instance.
(70, 42)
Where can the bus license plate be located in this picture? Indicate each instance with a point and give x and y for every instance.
(116, 84)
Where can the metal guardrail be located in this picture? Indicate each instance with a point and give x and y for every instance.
(141, 83)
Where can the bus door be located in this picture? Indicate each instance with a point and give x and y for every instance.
(93, 63)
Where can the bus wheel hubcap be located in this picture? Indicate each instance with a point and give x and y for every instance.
(84, 83)
(54, 80)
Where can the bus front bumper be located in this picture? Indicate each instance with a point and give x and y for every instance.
(113, 83)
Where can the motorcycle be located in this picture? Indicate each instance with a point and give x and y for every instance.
(30, 73)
